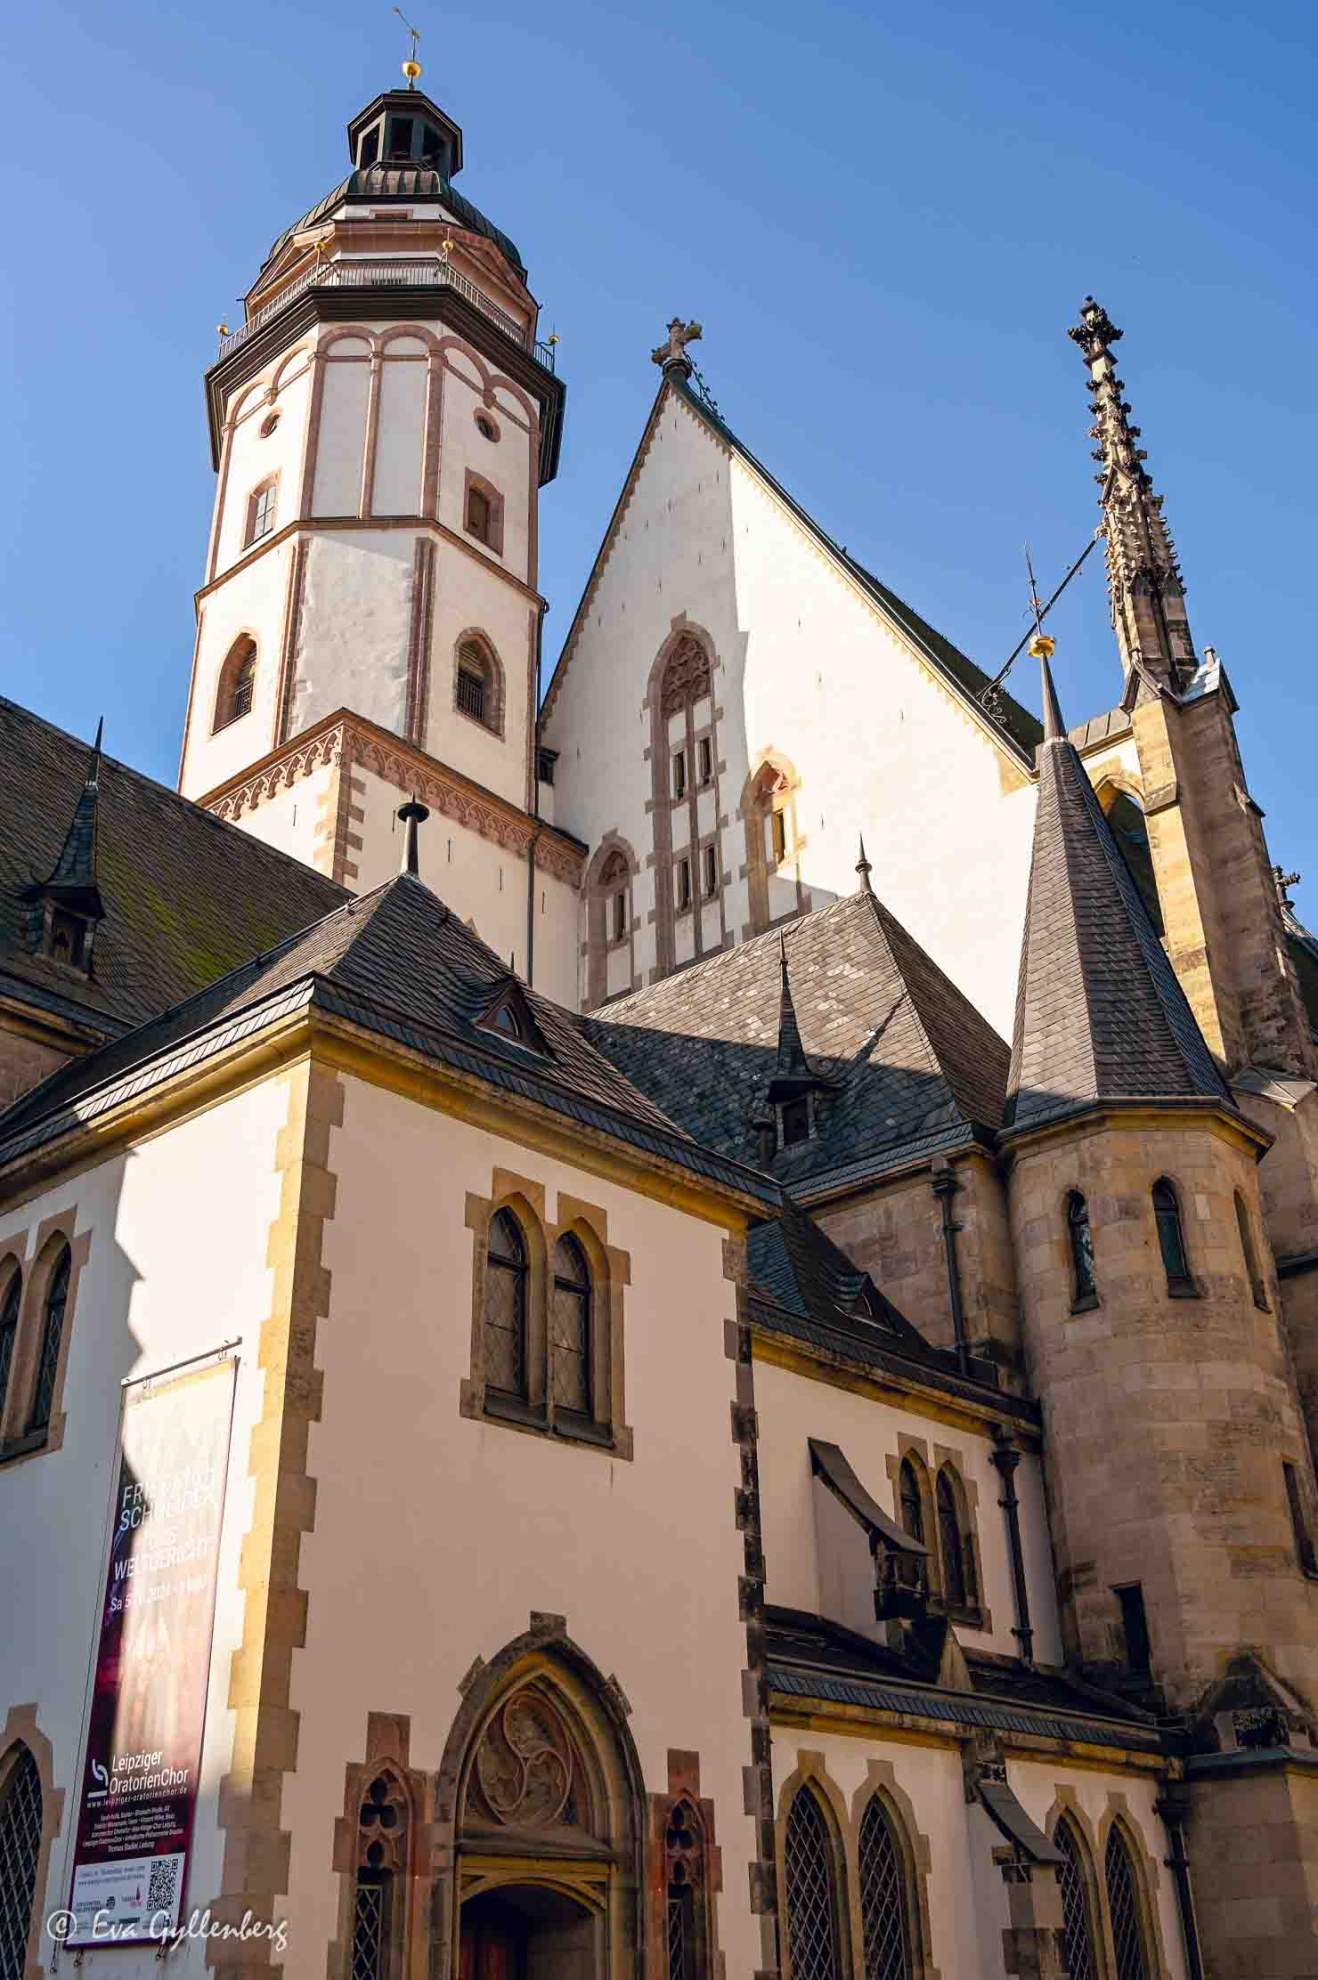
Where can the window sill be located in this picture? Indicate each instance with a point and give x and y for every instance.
(230, 722)
(479, 722)
(1183, 1289)
(1088, 1304)
(17, 1447)
(567, 1427)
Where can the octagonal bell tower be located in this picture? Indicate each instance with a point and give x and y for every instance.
(368, 625)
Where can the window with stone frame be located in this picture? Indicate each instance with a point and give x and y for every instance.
(1171, 1236)
(1075, 1886)
(482, 513)
(708, 872)
(686, 1898)
(1249, 1252)
(614, 885)
(704, 762)
(260, 512)
(812, 1879)
(885, 1895)
(11, 1306)
(20, 1852)
(571, 1333)
(507, 1274)
(683, 884)
(1125, 1913)
(380, 1882)
(911, 1497)
(478, 683)
(956, 1542)
(54, 1307)
(1080, 1242)
(237, 684)
(1301, 1532)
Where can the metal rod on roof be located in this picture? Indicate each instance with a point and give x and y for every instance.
(1040, 614)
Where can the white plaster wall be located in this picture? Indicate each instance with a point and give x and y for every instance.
(341, 435)
(483, 882)
(808, 669)
(291, 819)
(251, 601)
(177, 1266)
(353, 632)
(792, 1408)
(436, 1536)
(400, 436)
(470, 596)
(509, 463)
(284, 389)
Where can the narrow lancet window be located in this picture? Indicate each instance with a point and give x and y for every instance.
(1084, 1287)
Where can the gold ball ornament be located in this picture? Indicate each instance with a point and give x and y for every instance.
(411, 70)
(1042, 647)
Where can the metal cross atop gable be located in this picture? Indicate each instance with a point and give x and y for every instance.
(672, 355)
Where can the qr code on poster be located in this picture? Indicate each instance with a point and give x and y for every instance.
(162, 1893)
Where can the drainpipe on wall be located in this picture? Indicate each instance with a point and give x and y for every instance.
(1173, 1805)
(945, 1187)
(1006, 1457)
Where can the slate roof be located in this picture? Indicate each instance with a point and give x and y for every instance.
(398, 963)
(918, 1069)
(186, 897)
(378, 184)
(1099, 1012)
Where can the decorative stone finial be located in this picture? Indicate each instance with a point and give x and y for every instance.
(412, 814)
(671, 357)
(863, 868)
(1284, 882)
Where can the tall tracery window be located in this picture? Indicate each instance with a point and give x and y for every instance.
(237, 688)
(684, 1912)
(1171, 1235)
(9, 1312)
(570, 1332)
(955, 1548)
(506, 1274)
(1257, 1287)
(378, 1893)
(20, 1849)
(1084, 1287)
(53, 1308)
(814, 1930)
(1122, 1880)
(910, 1499)
(686, 676)
(1078, 1938)
(885, 1913)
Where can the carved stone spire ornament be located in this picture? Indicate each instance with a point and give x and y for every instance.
(1145, 588)
(671, 357)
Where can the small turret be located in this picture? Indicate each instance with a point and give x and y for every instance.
(66, 907)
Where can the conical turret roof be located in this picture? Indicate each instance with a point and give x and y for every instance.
(1100, 1015)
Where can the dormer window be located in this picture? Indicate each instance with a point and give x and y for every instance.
(795, 1121)
(509, 1017)
(506, 1020)
(66, 937)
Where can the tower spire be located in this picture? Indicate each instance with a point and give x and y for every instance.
(1145, 589)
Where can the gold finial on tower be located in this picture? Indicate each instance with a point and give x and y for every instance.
(411, 67)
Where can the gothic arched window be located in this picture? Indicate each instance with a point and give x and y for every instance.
(885, 1909)
(382, 1839)
(613, 885)
(478, 683)
(1257, 1287)
(1078, 1938)
(1171, 1235)
(570, 1331)
(955, 1548)
(506, 1275)
(53, 1308)
(686, 676)
(910, 1499)
(814, 1929)
(1084, 1288)
(237, 688)
(1122, 1880)
(686, 1950)
(20, 1849)
(9, 1312)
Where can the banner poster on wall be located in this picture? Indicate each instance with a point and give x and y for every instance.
(139, 1787)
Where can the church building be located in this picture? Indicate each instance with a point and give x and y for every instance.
(664, 1331)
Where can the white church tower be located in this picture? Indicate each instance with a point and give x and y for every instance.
(369, 623)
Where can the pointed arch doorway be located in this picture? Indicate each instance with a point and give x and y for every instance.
(530, 1932)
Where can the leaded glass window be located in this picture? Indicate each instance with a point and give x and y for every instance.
(1084, 1288)
(1123, 1908)
(1077, 1919)
(1171, 1235)
(884, 1904)
(52, 1333)
(505, 1307)
(951, 1544)
(813, 1932)
(9, 1330)
(684, 1869)
(370, 1926)
(911, 1500)
(20, 1846)
(570, 1326)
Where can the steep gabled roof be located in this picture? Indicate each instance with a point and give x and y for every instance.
(401, 965)
(1008, 720)
(916, 1068)
(185, 896)
(1100, 1015)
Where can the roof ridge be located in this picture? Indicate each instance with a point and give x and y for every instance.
(884, 917)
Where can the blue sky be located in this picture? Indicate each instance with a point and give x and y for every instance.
(884, 217)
